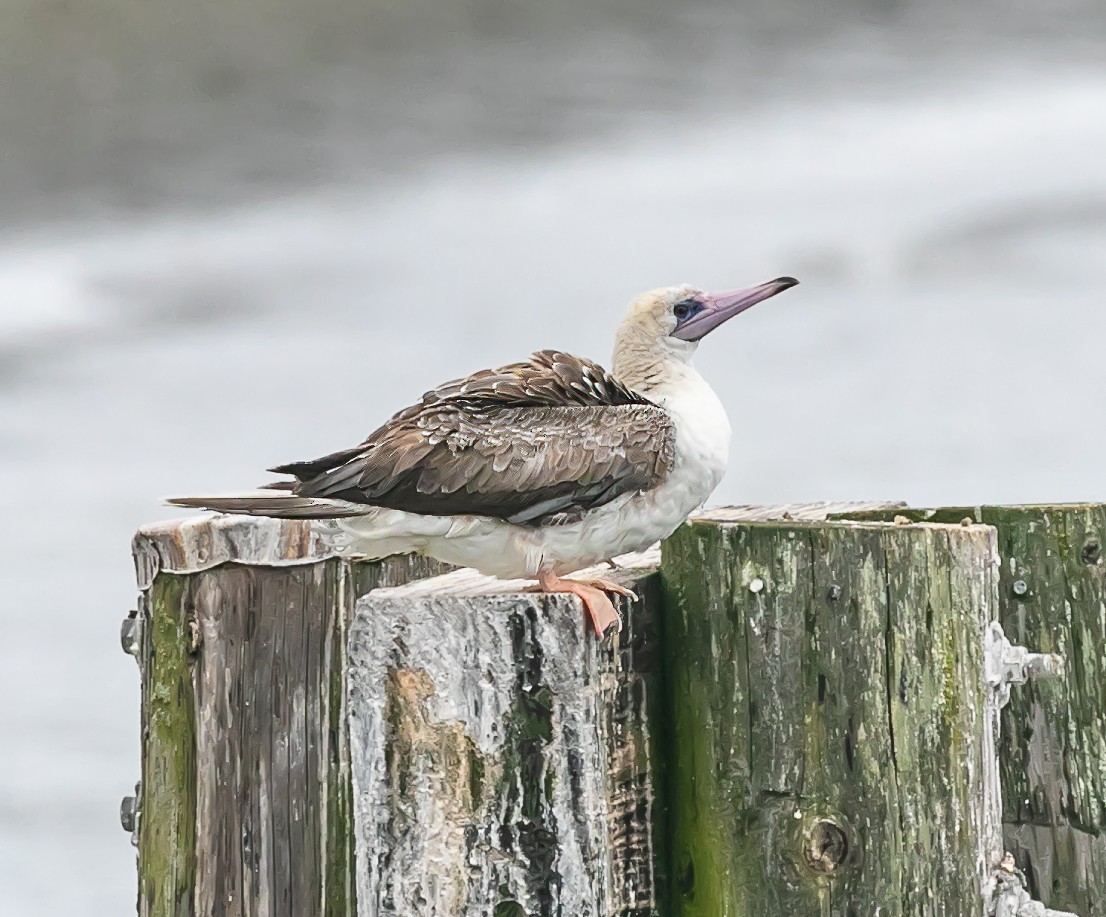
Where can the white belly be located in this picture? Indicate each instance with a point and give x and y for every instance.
(631, 522)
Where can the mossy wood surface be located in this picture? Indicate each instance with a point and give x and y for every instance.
(503, 762)
(167, 829)
(245, 802)
(828, 719)
(1053, 739)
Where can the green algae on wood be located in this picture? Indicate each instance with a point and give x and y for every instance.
(166, 835)
(246, 798)
(827, 707)
(1052, 752)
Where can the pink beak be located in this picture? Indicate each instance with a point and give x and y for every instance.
(722, 306)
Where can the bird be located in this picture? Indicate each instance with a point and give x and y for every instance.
(539, 468)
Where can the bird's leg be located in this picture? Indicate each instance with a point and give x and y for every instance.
(593, 593)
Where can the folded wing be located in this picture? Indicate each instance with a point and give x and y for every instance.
(536, 442)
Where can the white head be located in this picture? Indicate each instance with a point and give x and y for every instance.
(665, 326)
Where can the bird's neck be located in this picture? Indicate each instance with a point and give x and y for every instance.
(650, 367)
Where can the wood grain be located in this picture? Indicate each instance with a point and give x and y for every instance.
(829, 718)
(1052, 747)
(503, 759)
(246, 805)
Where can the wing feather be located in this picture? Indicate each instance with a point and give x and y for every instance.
(533, 442)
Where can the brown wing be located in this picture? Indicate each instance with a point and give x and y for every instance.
(530, 442)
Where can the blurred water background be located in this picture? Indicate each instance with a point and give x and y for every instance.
(237, 233)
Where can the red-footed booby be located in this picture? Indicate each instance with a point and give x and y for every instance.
(536, 469)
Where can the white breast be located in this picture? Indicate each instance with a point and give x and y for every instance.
(702, 430)
(702, 454)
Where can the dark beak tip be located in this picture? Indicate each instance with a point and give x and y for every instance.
(785, 283)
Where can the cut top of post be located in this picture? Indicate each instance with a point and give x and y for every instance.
(207, 540)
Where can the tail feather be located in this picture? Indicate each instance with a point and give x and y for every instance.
(274, 504)
(304, 471)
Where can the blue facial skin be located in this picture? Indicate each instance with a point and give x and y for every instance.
(685, 310)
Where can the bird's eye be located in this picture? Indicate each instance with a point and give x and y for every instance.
(681, 311)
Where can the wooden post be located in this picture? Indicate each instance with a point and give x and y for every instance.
(1052, 598)
(503, 759)
(829, 718)
(755, 739)
(244, 804)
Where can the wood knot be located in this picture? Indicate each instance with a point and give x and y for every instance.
(827, 847)
(1092, 552)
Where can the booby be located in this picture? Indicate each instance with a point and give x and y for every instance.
(539, 468)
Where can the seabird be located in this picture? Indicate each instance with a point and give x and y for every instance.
(539, 468)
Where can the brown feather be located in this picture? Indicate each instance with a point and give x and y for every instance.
(534, 442)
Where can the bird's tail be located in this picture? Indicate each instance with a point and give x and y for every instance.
(275, 504)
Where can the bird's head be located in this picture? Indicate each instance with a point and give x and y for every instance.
(669, 323)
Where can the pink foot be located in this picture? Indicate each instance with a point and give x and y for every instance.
(593, 593)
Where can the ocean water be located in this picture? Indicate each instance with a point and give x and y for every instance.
(248, 238)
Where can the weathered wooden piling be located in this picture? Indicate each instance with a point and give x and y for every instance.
(240, 632)
(1052, 597)
(793, 720)
(503, 759)
(829, 718)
